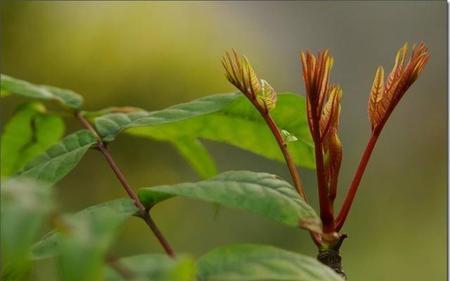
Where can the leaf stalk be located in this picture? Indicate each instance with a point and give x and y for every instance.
(351, 192)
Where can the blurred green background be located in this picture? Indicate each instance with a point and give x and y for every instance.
(156, 54)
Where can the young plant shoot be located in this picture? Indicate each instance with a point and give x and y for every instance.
(287, 127)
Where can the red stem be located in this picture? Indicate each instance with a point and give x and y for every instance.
(326, 212)
(351, 192)
(287, 157)
(143, 212)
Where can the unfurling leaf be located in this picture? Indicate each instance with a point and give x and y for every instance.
(241, 74)
(376, 94)
(384, 97)
(287, 137)
(331, 143)
(334, 164)
(267, 97)
(330, 114)
(316, 74)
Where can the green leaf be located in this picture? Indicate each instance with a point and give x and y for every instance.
(121, 209)
(228, 118)
(259, 262)
(20, 87)
(197, 155)
(85, 239)
(156, 267)
(24, 207)
(28, 133)
(60, 159)
(288, 137)
(260, 193)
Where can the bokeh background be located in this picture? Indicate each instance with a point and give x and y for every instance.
(156, 54)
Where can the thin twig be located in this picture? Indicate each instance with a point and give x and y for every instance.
(143, 211)
(351, 192)
(283, 147)
(288, 159)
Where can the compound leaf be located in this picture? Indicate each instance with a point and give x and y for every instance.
(227, 118)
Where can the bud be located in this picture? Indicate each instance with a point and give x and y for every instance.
(331, 144)
(384, 97)
(267, 97)
(241, 74)
(316, 75)
(287, 137)
(330, 113)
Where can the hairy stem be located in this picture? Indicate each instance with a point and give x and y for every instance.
(351, 192)
(143, 212)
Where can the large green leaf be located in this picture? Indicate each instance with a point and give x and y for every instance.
(24, 208)
(20, 87)
(228, 118)
(259, 262)
(260, 193)
(156, 267)
(28, 133)
(49, 245)
(59, 159)
(85, 239)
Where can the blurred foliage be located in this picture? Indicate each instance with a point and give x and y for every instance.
(156, 54)
(25, 206)
(29, 133)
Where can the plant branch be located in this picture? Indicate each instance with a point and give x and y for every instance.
(143, 211)
(326, 212)
(283, 147)
(351, 192)
(289, 162)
